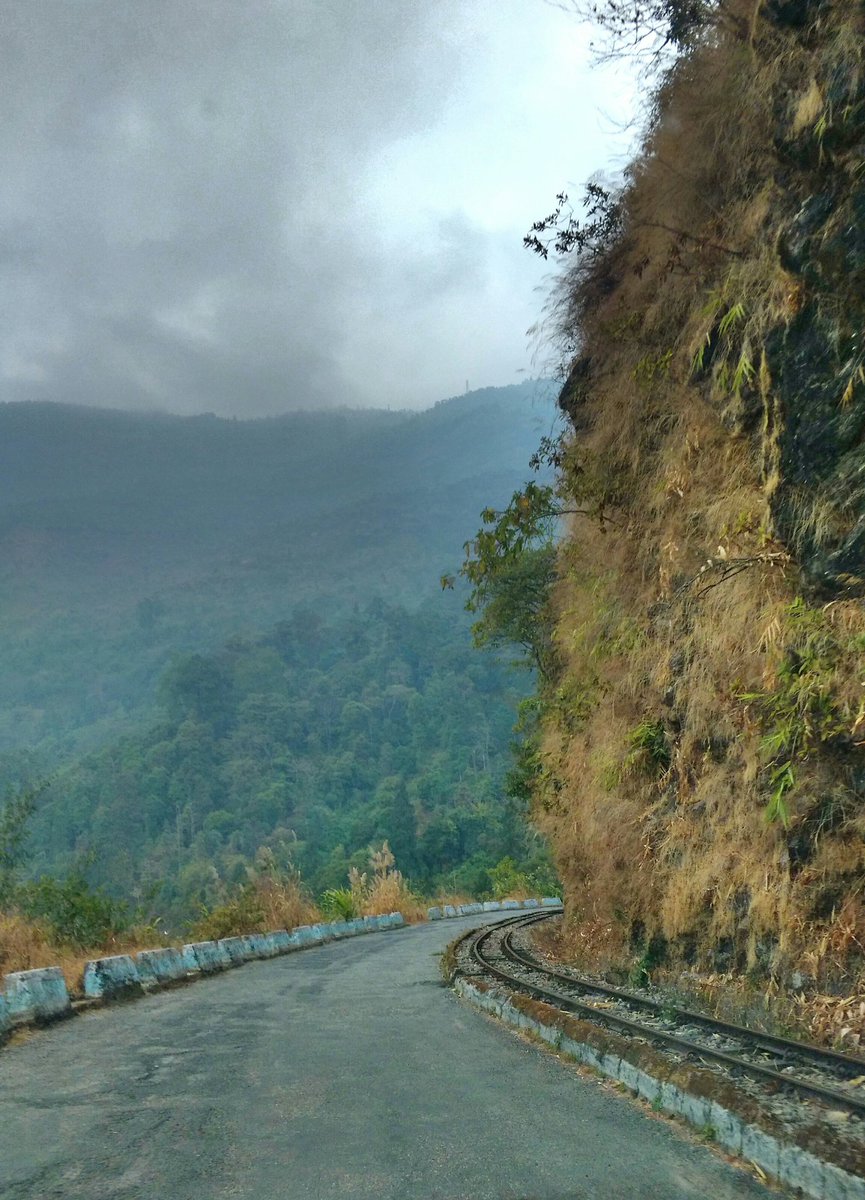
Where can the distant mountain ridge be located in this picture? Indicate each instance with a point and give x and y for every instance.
(126, 537)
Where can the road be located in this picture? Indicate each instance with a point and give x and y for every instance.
(343, 1071)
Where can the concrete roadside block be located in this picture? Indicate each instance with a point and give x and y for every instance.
(510, 904)
(321, 933)
(449, 911)
(434, 914)
(306, 936)
(281, 940)
(252, 946)
(113, 978)
(235, 949)
(36, 997)
(531, 904)
(268, 944)
(206, 957)
(397, 920)
(355, 926)
(551, 902)
(156, 968)
(464, 910)
(255, 945)
(492, 905)
(5, 1022)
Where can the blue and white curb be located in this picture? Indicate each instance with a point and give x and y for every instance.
(37, 997)
(207, 957)
(112, 978)
(34, 997)
(157, 968)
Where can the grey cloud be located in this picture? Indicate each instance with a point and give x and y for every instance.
(181, 217)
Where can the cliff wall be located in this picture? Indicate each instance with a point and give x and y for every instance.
(702, 767)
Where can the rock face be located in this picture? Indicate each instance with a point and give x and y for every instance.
(817, 364)
(700, 761)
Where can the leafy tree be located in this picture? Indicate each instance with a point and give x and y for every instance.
(15, 812)
(75, 912)
(510, 565)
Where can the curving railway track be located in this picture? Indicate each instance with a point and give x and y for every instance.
(833, 1079)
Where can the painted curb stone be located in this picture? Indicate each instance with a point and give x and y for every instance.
(235, 949)
(256, 946)
(206, 957)
(112, 978)
(509, 904)
(5, 1021)
(551, 902)
(156, 967)
(531, 904)
(434, 914)
(449, 911)
(269, 948)
(35, 996)
(492, 906)
(305, 935)
(281, 940)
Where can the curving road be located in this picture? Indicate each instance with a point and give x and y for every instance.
(344, 1071)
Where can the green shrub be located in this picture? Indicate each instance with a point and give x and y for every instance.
(650, 749)
(338, 904)
(75, 913)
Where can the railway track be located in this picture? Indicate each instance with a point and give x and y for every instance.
(833, 1079)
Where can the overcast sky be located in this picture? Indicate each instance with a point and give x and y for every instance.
(247, 206)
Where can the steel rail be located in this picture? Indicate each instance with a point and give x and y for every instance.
(768, 1042)
(690, 1048)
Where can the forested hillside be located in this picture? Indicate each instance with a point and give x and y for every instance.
(315, 740)
(126, 537)
(701, 761)
(225, 636)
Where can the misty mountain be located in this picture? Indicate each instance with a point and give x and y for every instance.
(126, 538)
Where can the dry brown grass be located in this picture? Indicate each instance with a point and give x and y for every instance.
(25, 945)
(284, 904)
(271, 899)
(686, 852)
(384, 890)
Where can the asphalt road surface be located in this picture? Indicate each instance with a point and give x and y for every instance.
(343, 1071)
